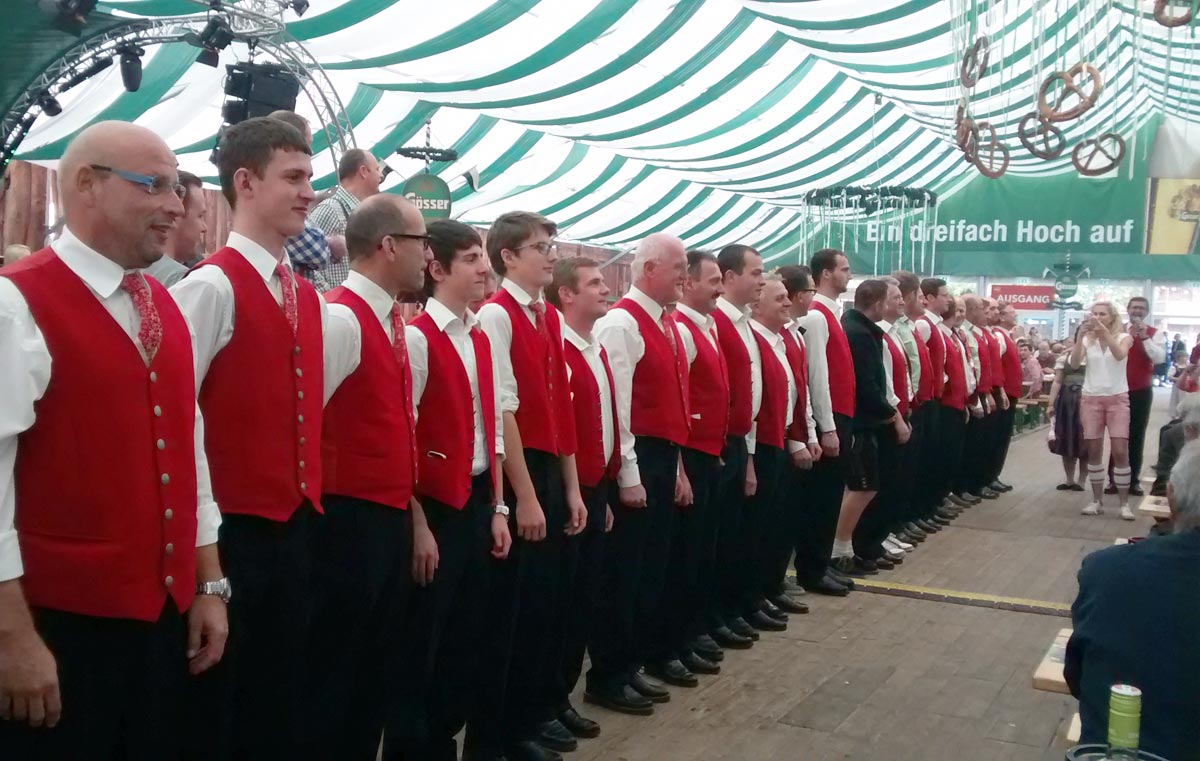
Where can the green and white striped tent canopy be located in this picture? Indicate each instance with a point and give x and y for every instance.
(707, 119)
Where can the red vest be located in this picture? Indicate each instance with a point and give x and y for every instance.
(997, 363)
(589, 423)
(708, 393)
(797, 355)
(658, 407)
(262, 400)
(984, 384)
(937, 359)
(446, 416)
(1139, 370)
(106, 476)
(841, 365)
(368, 444)
(737, 362)
(924, 388)
(1011, 361)
(899, 372)
(544, 417)
(954, 391)
(771, 423)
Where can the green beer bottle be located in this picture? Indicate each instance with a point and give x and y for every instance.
(1124, 722)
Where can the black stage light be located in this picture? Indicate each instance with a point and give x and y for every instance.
(98, 65)
(214, 38)
(72, 15)
(299, 6)
(131, 66)
(49, 104)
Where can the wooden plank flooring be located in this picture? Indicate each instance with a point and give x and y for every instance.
(873, 676)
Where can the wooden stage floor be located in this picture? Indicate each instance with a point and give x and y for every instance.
(879, 676)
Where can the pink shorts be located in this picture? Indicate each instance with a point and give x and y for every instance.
(1100, 412)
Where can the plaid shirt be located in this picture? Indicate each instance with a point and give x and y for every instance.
(330, 217)
(310, 254)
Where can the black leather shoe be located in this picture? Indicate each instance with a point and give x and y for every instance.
(763, 622)
(915, 531)
(580, 726)
(870, 567)
(650, 689)
(947, 514)
(738, 625)
(845, 564)
(957, 500)
(896, 557)
(707, 648)
(839, 578)
(987, 493)
(773, 610)
(970, 498)
(553, 735)
(827, 586)
(726, 637)
(940, 520)
(622, 699)
(699, 665)
(785, 603)
(672, 672)
(883, 564)
(1136, 491)
(529, 750)
(999, 486)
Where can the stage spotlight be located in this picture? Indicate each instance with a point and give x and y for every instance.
(299, 6)
(98, 65)
(214, 38)
(49, 104)
(131, 66)
(72, 15)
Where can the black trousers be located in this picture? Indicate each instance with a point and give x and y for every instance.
(884, 511)
(444, 669)
(952, 438)
(1140, 402)
(909, 474)
(731, 494)
(122, 684)
(975, 449)
(690, 569)
(792, 505)
(584, 558)
(254, 700)
(362, 567)
(760, 529)
(636, 556)
(826, 482)
(1003, 434)
(930, 469)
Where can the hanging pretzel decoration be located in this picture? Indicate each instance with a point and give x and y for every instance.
(1081, 84)
(963, 125)
(1040, 137)
(1162, 16)
(974, 62)
(989, 155)
(1099, 155)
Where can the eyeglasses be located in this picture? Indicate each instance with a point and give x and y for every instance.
(809, 290)
(154, 184)
(423, 238)
(543, 248)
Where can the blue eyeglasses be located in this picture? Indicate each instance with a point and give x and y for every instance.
(154, 184)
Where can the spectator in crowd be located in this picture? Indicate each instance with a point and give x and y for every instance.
(1066, 432)
(1177, 345)
(1045, 355)
(185, 246)
(14, 252)
(359, 177)
(1031, 380)
(1194, 358)
(1183, 427)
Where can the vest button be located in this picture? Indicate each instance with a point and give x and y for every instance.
(157, 411)
(302, 465)
(303, 441)
(169, 580)
(300, 418)
(303, 486)
(153, 377)
(299, 373)
(161, 445)
(299, 394)
(296, 349)
(165, 479)
(167, 514)
(169, 549)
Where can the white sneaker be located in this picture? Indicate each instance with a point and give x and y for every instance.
(1093, 509)
(895, 540)
(1126, 513)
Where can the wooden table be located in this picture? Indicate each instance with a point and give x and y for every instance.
(1155, 507)
(1049, 673)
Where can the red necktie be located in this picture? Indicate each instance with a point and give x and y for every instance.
(665, 323)
(539, 318)
(150, 332)
(288, 285)
(400, 348)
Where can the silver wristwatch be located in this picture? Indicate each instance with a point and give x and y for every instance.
(219, 588)
(501, 509)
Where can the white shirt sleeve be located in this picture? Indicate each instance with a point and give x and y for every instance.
(494, 321)
(1156, 348)
(418, 363)
(888, 377)
(921, 328)
(343, 347)
(808, 415)
(689, 344)
(208, 515)
(205, 297)
(617, 333)
(816, 335)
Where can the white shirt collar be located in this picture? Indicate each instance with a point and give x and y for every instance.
(576, 340)
(735, 313)
(773, 338)
(935, 319)
(702, 321)
(830, 304)
(884, 325)
(377, 299)
(520, 294)
(260, 259)
(652, 307)
(442, 316)
(100, 273)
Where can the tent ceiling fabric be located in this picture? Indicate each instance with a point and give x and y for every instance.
(706, 119)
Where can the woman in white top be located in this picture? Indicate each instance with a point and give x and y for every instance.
(1105, 401)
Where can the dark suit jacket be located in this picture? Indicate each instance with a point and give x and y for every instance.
(871, 408)
(1137, 621)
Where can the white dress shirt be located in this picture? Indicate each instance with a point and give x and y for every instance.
(779, 348)
(206, 297)
(618, 333)
(707, 327)
(343, 334)
(1155, 346)
(816, 333)
(1000, 333)
(740, 317)
(889, 377)
(25, 369)
(810, 422)
(923, 331)
(494, 321)
(1104, 375)
(591, 354)
(973, 347)
(459, 333)
(970, 356)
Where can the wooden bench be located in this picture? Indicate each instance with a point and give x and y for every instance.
(1049, 674)
(1155, 507)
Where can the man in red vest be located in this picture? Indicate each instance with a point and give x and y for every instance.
(454, 632)
(362, 551)
(959, 407)
(831, 385)
(994, 458)
(259, 369)
(539, 468)
(692, 569)
(1003, 322)
(933, 484)
(580, 293)
(1149, 349)
(976, 481)
(111, 590)
(921, 385)
(650, 372)
(742, 281)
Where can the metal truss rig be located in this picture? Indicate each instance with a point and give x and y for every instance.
(259, 22)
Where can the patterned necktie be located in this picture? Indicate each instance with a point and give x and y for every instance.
(288, 285)
(665, 323)
(398, 344)
(400, 348)
(150, 332)
(539, 318)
